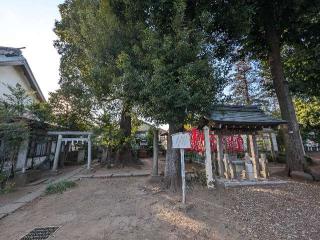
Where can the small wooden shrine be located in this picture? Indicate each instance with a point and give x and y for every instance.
(226, 120)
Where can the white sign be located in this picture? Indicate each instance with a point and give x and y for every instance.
(181, 140)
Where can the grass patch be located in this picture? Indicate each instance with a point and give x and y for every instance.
(7, 189)
(59, 187)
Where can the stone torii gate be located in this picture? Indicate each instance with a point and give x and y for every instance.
(73, 136)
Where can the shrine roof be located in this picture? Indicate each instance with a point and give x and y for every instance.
(241, 115)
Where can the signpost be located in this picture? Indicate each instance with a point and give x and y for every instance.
(182, 141)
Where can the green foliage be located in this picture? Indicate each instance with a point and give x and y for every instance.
(71, 110)
(17, 113)
(15, 102)
(308, 114)
(150, 140)
(13, 128)
(175, 73)
(8, 187)
(42, 111)
(108, 133)
(302, 58)
(59, 187)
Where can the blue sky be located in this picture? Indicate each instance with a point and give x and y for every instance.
(29, 23)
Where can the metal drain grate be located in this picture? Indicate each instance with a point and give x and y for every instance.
(40, 233)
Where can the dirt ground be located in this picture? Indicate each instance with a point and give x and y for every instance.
(133, 208)
(18, 192)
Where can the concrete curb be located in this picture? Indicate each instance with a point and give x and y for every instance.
(114, 175)
(12, 207)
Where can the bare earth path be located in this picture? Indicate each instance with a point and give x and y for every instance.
(130, 208)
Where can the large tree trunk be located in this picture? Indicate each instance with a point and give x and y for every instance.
(294, 148)
(171, 167)
(125, 155)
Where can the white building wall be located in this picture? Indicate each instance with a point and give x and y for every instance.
(11, 75)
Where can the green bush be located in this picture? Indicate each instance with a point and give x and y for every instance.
(59, 187)
(7, 188)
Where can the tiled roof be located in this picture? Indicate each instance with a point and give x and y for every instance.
(13, 57)
(9, 51)
(228, 114)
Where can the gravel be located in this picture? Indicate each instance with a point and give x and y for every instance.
(289, 211)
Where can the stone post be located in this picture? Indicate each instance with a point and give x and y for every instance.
(226, 166)
(89, 152)
(220, 154)
(264, 166)
(254, 154)
(208, 157)
(155, 152)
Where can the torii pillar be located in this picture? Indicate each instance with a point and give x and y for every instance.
(57, 153)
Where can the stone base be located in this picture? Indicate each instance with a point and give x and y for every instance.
(226, 183)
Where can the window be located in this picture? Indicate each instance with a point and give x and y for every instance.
(39, 149)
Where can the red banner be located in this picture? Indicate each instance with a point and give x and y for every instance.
(230, 143)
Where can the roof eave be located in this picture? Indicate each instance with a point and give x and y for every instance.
(249, 123)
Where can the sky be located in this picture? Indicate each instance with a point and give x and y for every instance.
(30, 23)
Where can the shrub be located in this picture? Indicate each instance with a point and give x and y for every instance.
(59, 187)
(7, 188)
